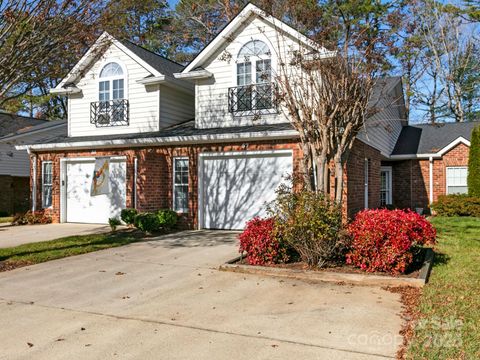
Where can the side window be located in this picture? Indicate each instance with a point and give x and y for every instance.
(47, 181)
(457, 180)
(180, 184)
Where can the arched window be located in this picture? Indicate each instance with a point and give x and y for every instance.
(254, 76)
(111, 85)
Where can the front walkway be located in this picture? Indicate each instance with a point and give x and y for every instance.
(11, 236)
(165, 299)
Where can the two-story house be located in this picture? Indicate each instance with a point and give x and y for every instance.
(207, 141)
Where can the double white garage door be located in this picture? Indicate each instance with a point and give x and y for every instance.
(237, 187)
(233, 188)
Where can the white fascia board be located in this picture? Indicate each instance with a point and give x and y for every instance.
(438, 154)
(250, 9)
(65, 91)
(164, 141)
(152, 80)
(194, 75)
(459, 140)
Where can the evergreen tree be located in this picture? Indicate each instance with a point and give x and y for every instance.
(474, 164)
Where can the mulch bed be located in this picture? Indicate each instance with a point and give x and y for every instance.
(10, 265)
(410, 298)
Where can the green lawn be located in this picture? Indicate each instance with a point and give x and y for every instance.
(63, 247)
(5, 220)
(449, 324)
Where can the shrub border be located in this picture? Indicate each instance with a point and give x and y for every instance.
(365, 279)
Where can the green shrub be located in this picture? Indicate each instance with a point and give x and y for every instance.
(311, 224)
(4, 214)
(128, 216)
(168, 218)
(473, 179)
(457, 205)
(147, 222)
(114, 222)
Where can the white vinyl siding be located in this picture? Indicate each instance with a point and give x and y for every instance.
(47, 182)
(457, 180)
(212, 94)
(180, 184)
(143, 100)
(175, 106)
(17, 162)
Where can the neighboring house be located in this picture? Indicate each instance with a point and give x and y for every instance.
(15, 164)
(205, 139)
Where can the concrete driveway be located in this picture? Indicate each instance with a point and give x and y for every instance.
(18, 235)
(164, 299)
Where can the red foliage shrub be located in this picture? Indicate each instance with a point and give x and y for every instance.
(383, 240)
(261, 246)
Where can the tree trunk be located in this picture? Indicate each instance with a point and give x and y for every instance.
(339, 177)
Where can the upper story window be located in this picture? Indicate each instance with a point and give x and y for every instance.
(254, 92)
(112, 107)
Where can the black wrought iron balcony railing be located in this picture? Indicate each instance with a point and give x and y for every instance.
(257, 99)
(109, 113)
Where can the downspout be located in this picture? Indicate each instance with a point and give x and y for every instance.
(135, 167)
(431, 179)
(34, 179)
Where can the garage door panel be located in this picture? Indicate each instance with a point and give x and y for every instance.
(237, 188)
(81, 207)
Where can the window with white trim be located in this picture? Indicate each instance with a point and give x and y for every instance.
(457, 180)
(385, 185)
(254, 90)
(180, 184)
(47, 181)
(111, 94)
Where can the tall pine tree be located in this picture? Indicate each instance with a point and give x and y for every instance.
(474, 164)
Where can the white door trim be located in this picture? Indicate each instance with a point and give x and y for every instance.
(389, 182)
(201, 158)
(64, 179)
(366, 178)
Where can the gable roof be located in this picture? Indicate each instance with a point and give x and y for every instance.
(157, 65)
(432, 139)
(11, 123)
(249, 10)
(160, 63)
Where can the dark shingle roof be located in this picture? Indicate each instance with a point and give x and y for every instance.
(427, 139)
(158, 62)
(10, 123)
(182, 130)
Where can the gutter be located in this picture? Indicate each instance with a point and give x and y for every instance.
(164, 141)
(152, 80)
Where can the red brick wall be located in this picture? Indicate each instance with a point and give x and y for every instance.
(355, 190)
(411, 188)
(14, 197)
(154, 174)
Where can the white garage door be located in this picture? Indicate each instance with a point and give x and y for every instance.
(236, 188)
(83, 208)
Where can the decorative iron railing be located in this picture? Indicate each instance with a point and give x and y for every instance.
(255, 99)
(109, 113)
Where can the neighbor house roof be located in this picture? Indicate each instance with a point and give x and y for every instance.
(432, 138)
(11, 123)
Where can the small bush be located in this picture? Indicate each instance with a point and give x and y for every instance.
(32, 218)
(167, 218)
(147, 222)
(310, 224)
(457, 205)
(114, 222)
(128, 216)
(260, 244)
(384, 240)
